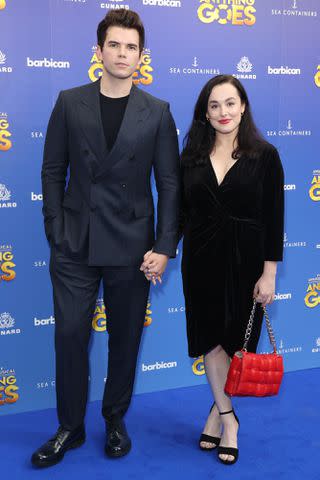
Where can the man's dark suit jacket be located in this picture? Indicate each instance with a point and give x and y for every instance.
(105, 216)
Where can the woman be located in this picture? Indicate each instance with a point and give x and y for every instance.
(232, 222)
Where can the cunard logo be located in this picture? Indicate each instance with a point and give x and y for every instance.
(114, 5)
(223, 12)
(312, 297)
(6, 325)
(5, 195)
(314, 191)
(316, 349)
(3, 67)
(5, 143)
(290, 244)
(244, 68)
(194, 68)
(294, 9)
(289, 131)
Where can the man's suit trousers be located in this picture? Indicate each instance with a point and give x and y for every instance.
(75, 289)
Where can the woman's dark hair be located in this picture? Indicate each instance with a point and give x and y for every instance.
(121, 18)
(200, 139)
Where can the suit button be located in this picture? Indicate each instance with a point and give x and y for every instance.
(123, 185)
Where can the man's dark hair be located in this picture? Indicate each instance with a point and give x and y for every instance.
(121, 18)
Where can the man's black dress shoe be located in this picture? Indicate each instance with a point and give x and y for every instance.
(118, 442)
(53, 451)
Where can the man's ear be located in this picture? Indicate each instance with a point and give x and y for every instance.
(99, 53)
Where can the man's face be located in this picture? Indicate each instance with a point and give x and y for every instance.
(120, 54)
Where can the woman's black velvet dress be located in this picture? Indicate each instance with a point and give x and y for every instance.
(229, 231)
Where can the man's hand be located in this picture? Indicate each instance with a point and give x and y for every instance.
(153, 266)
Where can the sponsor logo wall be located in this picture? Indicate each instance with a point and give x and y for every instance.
(188, 42)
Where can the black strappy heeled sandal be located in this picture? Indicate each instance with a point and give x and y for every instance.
(229, 450)
(208, 438)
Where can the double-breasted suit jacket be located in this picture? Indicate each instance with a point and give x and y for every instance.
(98, 204)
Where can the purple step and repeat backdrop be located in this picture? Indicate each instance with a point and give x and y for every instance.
(49, 45)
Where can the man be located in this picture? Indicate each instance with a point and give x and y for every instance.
(108, 135)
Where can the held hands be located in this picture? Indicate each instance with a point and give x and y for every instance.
(264, 289)
(153, 266)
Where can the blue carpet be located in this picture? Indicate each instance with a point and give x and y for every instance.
(278, 438)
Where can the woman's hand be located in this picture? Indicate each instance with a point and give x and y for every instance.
(264, 289)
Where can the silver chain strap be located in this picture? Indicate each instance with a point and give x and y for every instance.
(250, 325)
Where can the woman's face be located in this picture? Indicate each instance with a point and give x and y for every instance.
(225, 108)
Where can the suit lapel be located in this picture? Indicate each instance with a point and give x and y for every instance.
(135, 114)
(91, 123)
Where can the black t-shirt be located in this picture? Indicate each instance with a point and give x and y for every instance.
(112, 112)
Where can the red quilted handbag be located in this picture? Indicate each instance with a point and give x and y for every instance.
(255, 374)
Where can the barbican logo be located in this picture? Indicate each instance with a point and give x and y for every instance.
(158, 366)
(7, 266)
(5, 134)
(36, 197)
(314, 191)
(114, 5)
(283, 70)
(317, 77)
(7, 323)
(294, 9)
(47, 63)
(4, 68)
(227, 12)
(244, 68)
(5, 198)
(289, 244)
(193, 69)
(312, 297)
(8, 386)
(289, 186)
(198, 366)
(162, 3)
(289, 131)
(43, 322)
(282, 296)
(316, 349)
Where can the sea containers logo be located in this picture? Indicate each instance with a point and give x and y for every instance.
(7, 266)
(195, 67)
(227, 12)
(142, 76)
(294, 8)
(99, 320)
(314, 191)
(8, 386)
(5, 134)
(312, 297)
(289, 131)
